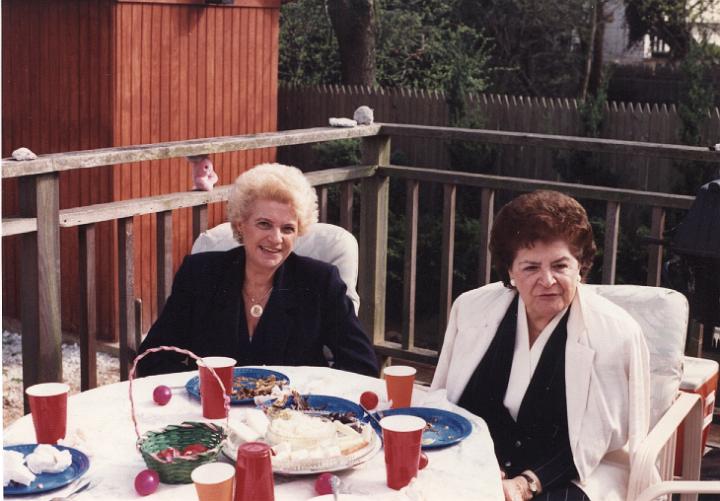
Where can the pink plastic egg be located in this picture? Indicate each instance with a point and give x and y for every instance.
(162, 394)
(146, 482)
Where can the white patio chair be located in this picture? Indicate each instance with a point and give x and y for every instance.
(325, 242)
(663, 316)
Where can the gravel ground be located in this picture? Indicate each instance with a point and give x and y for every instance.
(107, 365)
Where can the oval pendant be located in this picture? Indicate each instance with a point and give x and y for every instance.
(256, 310)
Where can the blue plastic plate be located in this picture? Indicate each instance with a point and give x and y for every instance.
(325, 404)
(48, 481)
(446, 428)
(249, 375)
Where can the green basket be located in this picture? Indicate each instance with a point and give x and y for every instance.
(180, 436)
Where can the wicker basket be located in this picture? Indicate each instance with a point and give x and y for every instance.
(178, 469)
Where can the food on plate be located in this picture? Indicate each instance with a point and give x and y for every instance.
(303, 437)
(297, 436)
(47, 459)
(14, 469)
(247, 387)
(146, 482)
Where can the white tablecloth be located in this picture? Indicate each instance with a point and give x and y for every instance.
(466, 471)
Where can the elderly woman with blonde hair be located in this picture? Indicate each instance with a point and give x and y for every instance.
(261, 303)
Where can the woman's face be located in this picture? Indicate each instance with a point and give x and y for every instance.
(546, 276)
(268, 233)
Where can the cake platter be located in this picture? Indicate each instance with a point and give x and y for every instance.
(322, 434)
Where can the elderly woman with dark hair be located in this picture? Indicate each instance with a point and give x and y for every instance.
(260, 303)
(558, 373)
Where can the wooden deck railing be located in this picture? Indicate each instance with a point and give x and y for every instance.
(40, 219)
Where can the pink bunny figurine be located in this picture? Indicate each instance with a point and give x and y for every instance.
(204, 175)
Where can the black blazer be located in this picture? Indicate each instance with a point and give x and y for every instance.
(307, 309)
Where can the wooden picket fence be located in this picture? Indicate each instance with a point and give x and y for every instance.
(301, 107)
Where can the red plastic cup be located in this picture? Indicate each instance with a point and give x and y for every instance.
(211, 395)
(402, 440)
(399, 380)
(253, 473)
(48, 404)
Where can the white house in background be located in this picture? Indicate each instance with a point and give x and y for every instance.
(615, 42)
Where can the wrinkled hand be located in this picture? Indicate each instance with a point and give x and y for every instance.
(516, 489)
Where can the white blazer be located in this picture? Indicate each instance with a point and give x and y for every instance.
(606, 378)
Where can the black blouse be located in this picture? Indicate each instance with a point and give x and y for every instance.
(538, 440)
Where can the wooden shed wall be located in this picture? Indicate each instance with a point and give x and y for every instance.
(176, 70)
(57, 96)
(185, 72)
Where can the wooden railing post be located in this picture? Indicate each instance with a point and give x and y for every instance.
(346, 205)
(164, 228)
(487, 202)
(446, 261)
(40, 274)
(199, 220)
(88, 311)
(126, 294)
(612, 228)
(373, 239)
(409, 274)
(655, 252)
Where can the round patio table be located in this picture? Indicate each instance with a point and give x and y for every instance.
(99, 423)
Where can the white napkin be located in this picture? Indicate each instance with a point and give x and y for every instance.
(14, 469)
(77, 440)
(47, 459)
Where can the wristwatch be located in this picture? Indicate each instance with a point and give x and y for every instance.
(532, 484)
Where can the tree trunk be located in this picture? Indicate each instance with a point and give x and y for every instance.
(354, 24)
(594, 58)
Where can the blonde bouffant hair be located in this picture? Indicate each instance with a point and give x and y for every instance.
(276, 182)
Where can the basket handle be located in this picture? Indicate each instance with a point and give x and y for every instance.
(131, 376)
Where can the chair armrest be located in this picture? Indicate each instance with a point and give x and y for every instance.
(680, 487)
(687, 405)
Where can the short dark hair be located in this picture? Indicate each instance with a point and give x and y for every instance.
(541, 216)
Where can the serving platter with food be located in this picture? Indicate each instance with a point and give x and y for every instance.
(248, 383)
(308, 434)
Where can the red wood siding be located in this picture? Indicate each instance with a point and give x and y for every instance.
(56, 96)
(110, 73)
(183, 73)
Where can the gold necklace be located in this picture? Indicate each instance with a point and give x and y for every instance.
(256, 310)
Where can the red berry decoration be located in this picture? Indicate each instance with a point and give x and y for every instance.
(193, 450)
(369, 400)
(167, 455)
(423, 461)
(162, 394)
(323, 484)
(146, 482)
